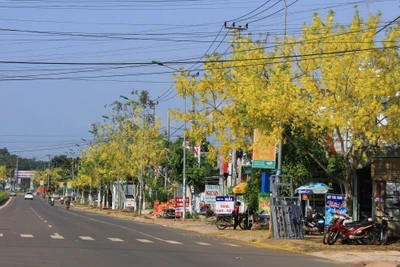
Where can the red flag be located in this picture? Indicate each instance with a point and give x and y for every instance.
(331, 146)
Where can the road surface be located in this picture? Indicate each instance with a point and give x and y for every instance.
(33, 233)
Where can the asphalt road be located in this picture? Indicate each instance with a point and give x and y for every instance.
(33, 233)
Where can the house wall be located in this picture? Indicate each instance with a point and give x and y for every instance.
(385, 174)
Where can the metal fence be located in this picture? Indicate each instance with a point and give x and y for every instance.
(285, 210)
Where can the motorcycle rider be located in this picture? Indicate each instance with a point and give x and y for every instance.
(68, 201)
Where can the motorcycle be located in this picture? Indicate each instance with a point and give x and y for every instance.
(348, 230)
(62, 201)
(52, 201)
(315, 223)
(67, 203)
(381, 230)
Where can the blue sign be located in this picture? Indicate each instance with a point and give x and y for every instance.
(305, 191)
(225, 198)
(335, 203)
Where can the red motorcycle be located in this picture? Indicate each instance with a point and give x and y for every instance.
(342, 226)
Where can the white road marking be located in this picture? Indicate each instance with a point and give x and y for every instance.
(50, 226)
(144, 241)
(173, 242)
(86, 238)
(203, 244)
(45, 221)
(115, 239)
(232, 245)
(26, 236)
(1, 235)
(56, 236)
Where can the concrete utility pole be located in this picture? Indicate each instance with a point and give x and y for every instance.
(16, 174)
(48, 175)
(284, 42)
(184, 166)
(168, 138)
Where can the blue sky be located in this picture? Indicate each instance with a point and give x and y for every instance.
(46, 109)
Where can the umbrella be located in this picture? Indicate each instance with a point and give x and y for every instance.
(240, 189)
(313, 188)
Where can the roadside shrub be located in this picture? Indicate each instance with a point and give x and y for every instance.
(3, 197)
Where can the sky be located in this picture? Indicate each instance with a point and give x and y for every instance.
(47, 108)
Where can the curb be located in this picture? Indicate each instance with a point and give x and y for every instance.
(6, 203)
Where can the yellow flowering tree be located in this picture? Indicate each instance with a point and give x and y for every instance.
(333, 83)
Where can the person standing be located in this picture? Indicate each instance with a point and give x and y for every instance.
(236, 215)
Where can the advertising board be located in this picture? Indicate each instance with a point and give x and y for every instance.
(224, 205)
(335, 203)
(211, 193)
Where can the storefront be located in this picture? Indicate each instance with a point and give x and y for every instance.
(385, 175)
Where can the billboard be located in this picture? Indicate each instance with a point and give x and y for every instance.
(211, 193)
(263, 156)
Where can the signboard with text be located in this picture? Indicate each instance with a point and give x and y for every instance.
(263, 156)
(263, 203)
(179, 204)
(224, 205)
(335, 203)
(211, 193)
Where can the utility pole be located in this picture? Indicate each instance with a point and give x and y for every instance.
(184, 165)
(233, 172)
(16, 173)
(284, 43)
(168, 138)
(48, 175)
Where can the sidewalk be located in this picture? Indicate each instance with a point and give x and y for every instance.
(358, 255)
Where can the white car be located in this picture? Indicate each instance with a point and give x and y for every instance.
(28, 195)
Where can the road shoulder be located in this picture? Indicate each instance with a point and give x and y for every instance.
(382, 256)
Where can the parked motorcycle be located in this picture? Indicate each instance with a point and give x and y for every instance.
(348, 230)
(381, 230)
(315, 223)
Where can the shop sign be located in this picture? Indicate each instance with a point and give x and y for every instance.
(211, 193)
(179, 204)
(263, 156)
(224, 205)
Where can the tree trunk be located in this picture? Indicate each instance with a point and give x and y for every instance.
(348, 187)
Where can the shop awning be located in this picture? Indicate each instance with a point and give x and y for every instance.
(240, 189)
(313, 188)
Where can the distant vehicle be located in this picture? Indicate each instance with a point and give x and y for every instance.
(12, 194)
(28, 195)
(56, 196)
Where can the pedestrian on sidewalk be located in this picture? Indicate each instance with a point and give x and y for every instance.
(236, 215)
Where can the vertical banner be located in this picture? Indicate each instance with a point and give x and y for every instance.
(263, 203)
(211, 193)
(41, 182)
(61, 185)
(335, 203)
(263, 156)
